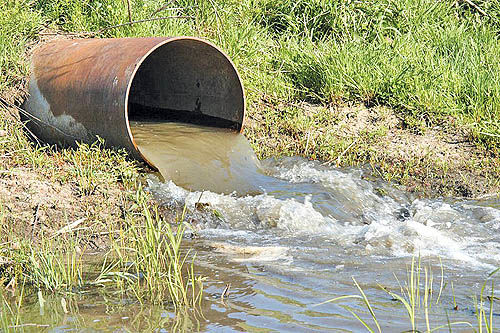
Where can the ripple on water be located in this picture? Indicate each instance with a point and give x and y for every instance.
(315, 226)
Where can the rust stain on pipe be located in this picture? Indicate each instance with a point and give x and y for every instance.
(84, 88)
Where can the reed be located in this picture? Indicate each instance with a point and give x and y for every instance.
(60, 270)
(145, 261)
(484, 318)
(153, 253)
(416, 296)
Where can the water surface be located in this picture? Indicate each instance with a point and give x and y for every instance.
(291, 233)
(287, 234)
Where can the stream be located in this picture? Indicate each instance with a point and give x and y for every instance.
(288, 234)
(283, 235)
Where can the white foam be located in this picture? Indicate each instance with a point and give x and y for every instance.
(459, 231)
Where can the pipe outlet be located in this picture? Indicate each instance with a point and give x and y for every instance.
(84, 88)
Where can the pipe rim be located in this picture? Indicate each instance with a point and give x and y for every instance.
(145, 56)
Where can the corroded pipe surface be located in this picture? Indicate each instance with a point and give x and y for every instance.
(84, 88)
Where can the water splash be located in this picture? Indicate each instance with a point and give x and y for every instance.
(297, 198)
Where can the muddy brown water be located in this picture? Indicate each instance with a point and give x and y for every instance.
(291, 233)
(288, 234)
(200, 158)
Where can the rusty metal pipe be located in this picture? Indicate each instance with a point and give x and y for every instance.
(84, 88)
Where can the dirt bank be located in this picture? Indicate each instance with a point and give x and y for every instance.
(439, 160)
(45, 189)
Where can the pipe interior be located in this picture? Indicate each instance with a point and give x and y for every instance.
(187, 80)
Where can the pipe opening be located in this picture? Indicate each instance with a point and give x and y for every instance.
(187, 80)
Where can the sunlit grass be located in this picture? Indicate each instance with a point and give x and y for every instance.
(154, 268)
(145, 259)
(418, 296)
(429, 60)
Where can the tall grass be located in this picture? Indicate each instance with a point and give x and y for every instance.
(419, 57)
(19, 25)
(418, 296)
(145, 261)
(428, 59)
(160, 271)
(54, 271)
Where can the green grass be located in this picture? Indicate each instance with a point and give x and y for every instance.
(417, 57)
(432, 62)
(426, 59)
(19, 26)
(153, 252)
(144, 261)
(419, 294)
